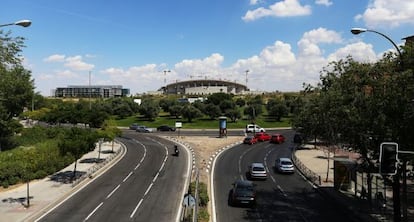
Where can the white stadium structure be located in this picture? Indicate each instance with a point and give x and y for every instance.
(203, 87)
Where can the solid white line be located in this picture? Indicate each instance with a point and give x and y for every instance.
(136, 208)
(130, 173)
(113, 191)
(96, 208)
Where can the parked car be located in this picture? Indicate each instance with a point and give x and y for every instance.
(133, 126)
(250, 140)
(257, 171)
(284, 165)
(251, 128)
(165, 128)
(144, 129)
(262, 137)
(242, 193)
(277, 138)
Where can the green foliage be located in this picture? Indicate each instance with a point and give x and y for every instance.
(149, 109)
(203, 215)
(361, 104)
(212, 110)
(190, 112)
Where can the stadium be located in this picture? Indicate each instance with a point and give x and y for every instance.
(203, 87)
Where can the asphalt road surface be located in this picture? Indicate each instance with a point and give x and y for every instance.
(279, 198)
(148, 184)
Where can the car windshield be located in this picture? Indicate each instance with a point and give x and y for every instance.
(258, 169)
(245, 187)
(286, 162)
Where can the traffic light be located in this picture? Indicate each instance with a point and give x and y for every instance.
(388, 158)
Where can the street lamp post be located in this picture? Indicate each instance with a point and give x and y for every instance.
(165, 79)
(23, 23)
(396, 182)
(357, 31)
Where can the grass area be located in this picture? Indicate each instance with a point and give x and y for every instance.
(201, 123)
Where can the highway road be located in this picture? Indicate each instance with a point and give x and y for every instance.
(279, 198)
(148, 184)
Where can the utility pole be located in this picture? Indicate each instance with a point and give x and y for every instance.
(247, 71)
(90, 91)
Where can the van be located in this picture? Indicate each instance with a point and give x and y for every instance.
(250, 128)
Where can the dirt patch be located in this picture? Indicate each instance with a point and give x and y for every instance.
(204, 147)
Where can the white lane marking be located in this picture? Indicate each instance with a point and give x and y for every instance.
(113, 191)
(126, 178)
(240, 160)
(119, 185)
(153, 180)
(136, 208)
(94, 210)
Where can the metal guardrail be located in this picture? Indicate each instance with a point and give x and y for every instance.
(92, 170)
(309, 174)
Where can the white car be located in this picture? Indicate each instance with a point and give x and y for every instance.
(257, 171)
(250, 128)
(284, 165)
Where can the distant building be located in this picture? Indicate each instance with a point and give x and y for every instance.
(97, 91)
(203, 87)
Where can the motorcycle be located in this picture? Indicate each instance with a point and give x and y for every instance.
(176, 151)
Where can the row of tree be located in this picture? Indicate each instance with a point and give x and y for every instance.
(361, 104)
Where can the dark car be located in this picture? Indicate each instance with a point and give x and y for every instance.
(250, 140)
(133, 126)
(165, 128)
(277, 138)
(242, 193)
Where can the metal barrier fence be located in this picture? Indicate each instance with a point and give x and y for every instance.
(309, 174)
(92, 170)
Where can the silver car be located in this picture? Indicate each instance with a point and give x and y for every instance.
(284, 165)
(257, 171)
(144, 129)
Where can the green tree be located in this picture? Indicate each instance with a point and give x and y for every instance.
(212, 111)
(76, 143)
(149, 109)
(176, 110)
(190, 112)
(234, 114)
(16, 87)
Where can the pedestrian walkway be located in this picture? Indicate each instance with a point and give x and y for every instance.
(313, 163)
(46, 193)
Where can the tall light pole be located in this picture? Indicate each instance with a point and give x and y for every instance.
(247, 72)
(396, 182)
(165, 80)
(357, 31)
(23, 23)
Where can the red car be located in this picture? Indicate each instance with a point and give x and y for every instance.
(262, 137)
(277, 138)
(250, 140)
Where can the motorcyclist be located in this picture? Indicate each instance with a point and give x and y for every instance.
(176, 150)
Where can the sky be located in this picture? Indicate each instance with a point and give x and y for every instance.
(282, 43)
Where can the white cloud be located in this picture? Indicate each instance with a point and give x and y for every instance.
(359, 51)
(308, 45)
(66, 74)
(390, 13)
(253, 2)
(285, 8)
(77, 64)
(55, 58)
(323, 2)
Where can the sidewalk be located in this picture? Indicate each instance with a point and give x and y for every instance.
(315, 164)
(46, 193)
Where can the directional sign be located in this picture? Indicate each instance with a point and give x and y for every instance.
(189, 200)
